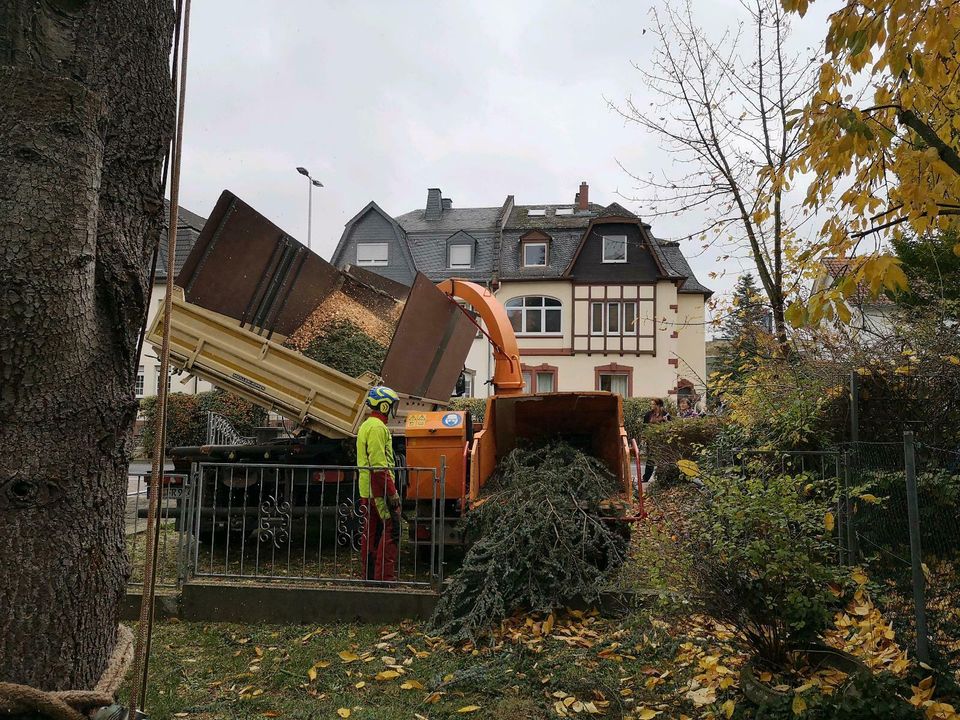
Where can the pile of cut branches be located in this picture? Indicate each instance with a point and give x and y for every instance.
(539, 541)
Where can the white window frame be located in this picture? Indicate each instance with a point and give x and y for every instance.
(604, 328)
(523, 308)
(376, 261)
(139, 384)
(459, 266)
(527, 245)
(533, 376)
(469, 381)
(622, 238)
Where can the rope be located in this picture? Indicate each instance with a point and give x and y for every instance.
(72, 704)
(141, 661)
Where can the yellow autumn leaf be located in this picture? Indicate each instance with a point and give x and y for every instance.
(411, 685)
(360, 685)
(646, 713)
(868, 498)
(468, 709)
(433, 697)
(799, 705)
(688, 468)
(312, 674)
(728, 708)
(548, 624)
(859, 577)
(343, 712)
(828, 522)
(952, 359)
(348, 657)
(387, 675)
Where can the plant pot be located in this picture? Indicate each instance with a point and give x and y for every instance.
(817, 656)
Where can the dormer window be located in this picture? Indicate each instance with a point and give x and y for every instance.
(460, 256)
(535, 254)
(614, 248)
(372, 254)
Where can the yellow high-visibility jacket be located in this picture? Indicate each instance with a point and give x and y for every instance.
(374, 449)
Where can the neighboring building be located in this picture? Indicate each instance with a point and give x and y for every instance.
(189, 226)
(597, 302)
(869, 315)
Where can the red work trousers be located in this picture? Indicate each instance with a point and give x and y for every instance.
(378, 545)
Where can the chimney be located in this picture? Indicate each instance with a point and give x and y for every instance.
(447, 203)
(583, 197)
(434, 204)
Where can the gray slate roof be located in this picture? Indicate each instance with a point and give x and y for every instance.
(429, 252)
(454, 219)
(674, 261)
(520, 219)
(563, 244)
(189, 225)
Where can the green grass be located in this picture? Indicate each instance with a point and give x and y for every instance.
(231, 671)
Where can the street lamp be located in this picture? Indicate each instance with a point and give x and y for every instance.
(311, 184)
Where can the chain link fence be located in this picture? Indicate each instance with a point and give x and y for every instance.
(906, 499)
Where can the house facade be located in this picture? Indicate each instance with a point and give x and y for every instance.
(189, 226)
(869, 316)
(596, 300)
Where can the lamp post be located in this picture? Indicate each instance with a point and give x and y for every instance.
(311, 184)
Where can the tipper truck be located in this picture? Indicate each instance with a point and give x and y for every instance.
(247, 285)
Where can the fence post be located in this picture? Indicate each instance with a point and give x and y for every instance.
(853, 552)
(854, 407)
(913, 518)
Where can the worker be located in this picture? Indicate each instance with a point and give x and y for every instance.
(379, 499)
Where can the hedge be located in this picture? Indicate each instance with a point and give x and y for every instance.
(676, 440)
(187, 417)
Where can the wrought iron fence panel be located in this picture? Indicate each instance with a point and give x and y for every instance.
(220, 431)
(305, 524)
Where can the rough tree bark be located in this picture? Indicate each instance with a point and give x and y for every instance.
(86, 110)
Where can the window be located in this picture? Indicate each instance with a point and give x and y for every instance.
(461, 256)
(372, 254)
(536, 212)
(564, 211)
(468, 382)
(534, 254)
(613, 318)
(534, 315)
(539, 379)
(614, 382)
(614, 248)
(138, 386)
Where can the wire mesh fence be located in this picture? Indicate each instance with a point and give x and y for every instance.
(906, 499)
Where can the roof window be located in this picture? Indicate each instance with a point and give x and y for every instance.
(563, 211)
(536, 212)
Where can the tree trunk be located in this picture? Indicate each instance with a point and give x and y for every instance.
(85, 118)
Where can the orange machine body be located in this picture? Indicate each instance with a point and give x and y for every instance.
(431, 436)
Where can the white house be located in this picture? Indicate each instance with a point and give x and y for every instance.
(596, 300)
(148, 371)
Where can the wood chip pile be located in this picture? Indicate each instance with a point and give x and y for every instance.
(340, 307)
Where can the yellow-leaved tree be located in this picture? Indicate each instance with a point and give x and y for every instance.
(881, 132)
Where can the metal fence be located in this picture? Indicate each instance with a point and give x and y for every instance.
(897, 513)
(906, 503)
(173, 536)
(220, 431)
(306, 523)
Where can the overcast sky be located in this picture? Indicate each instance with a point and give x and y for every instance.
(382, 100)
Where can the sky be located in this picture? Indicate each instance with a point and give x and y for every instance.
(383, 100)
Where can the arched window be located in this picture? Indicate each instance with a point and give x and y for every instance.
(534, 315)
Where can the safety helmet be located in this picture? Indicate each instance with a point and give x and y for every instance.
(383, 399)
